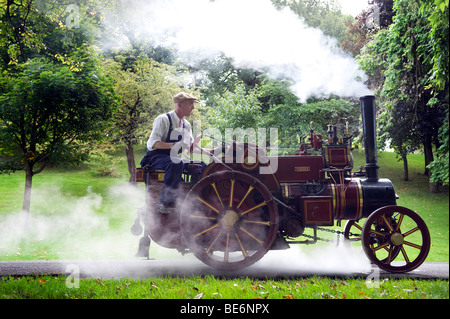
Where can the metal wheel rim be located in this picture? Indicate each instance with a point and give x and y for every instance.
(227, 228)
(349, 228)
(395, 239)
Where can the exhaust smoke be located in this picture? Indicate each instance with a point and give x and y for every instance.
(63, 226)
(253, 33)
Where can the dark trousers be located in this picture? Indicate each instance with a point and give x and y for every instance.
(173, 168)
(172, 177)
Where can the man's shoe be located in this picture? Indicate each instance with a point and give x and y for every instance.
(165, 208)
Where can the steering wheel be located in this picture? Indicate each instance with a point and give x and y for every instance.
(212, 155)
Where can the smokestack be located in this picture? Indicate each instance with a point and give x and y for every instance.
(370, 142)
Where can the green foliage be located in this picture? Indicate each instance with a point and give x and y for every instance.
(325, 15)
(275, 92)
(53, 95)
(47, 108)
(103, 164)
(293, 122)
(440, 166)
(238, 109)
(400, 61)
(145, 89)
(439, 40)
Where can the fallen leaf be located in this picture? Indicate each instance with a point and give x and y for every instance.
(199, 296)
(154, 285)
(288, 296)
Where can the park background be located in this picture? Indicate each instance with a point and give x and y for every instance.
(81, 82)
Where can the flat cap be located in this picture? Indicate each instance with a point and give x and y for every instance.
(183, 96)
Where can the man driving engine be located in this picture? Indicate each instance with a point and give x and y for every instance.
(171, 134)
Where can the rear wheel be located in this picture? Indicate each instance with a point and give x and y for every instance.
(229, 220)
(396, 239)
(352, 230)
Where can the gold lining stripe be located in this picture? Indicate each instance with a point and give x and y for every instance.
(333, 192)
(361, 200)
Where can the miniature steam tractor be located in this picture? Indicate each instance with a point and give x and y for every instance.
(235, 211)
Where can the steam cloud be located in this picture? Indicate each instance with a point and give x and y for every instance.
(251, 32)
(75, 225)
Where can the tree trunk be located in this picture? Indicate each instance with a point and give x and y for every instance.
(433, 188)
(131, 163)
(27, 193)
(405, 168)
(428, 150)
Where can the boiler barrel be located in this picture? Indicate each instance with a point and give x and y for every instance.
(376, 195)
(358, 198)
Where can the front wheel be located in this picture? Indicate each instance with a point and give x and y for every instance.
(396, 239)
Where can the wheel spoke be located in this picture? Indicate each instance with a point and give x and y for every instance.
(378, 233)
(217, 193)
(208, 204)
(388, 224)
(250, 188)
(390, 255)
(412, 245)
(244, 252)
(380, 247)
(209, 248)
(252, 236)
(409, 232)
(400, 220)
(357, 226)
(257, 222)
(405, 255)
(227, 249)
(203, 217)
(253, 208)
(206, 230)
(232, 193)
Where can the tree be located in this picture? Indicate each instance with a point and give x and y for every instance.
(398, 61)
(53, 96)
(236, 110)
(398, 129)
(46, 110)
(323, 14)
(145, 92)
(438, 76)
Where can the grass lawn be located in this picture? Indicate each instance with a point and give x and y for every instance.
(209, 287)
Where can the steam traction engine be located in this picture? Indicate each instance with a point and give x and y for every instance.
(232, 215)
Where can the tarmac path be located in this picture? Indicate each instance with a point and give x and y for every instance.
(142, 268)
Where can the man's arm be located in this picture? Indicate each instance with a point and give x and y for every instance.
(163, 145)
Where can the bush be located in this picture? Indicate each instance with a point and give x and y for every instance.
(102, 164)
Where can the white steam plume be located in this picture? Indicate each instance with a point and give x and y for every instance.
(251, 32)
(63, 226)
